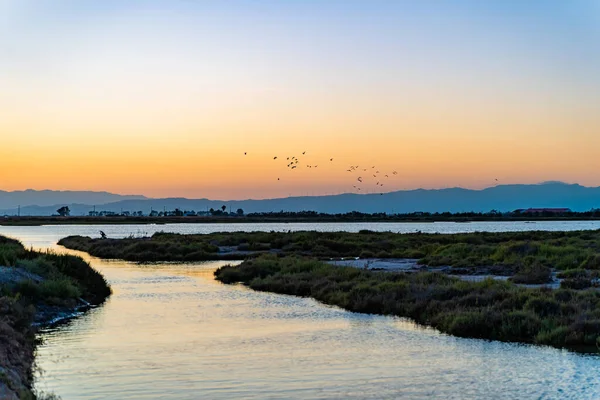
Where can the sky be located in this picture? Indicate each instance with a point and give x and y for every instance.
(163, 98)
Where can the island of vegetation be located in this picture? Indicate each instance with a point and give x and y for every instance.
(541, 287)
(37, 289)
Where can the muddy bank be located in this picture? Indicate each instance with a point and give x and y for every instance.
(18, 326)
(473, 274)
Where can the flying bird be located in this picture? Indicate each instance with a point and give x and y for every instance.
(331, 159)
(245, 153)
(303, 153)
(359, 179)
(274, 158)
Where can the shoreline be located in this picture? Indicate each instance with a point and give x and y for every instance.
(83, 220)
(38, 290)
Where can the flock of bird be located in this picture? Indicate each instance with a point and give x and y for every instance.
(378, 177)
(365, 176)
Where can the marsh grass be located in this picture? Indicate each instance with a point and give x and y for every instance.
(64, 277)
(534, 273)
(512, 251)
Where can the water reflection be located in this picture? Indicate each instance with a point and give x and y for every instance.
(48, 235)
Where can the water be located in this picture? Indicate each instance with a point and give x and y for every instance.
(172, 331)
(48, 235)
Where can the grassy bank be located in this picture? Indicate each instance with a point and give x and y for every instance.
(513, 253)
(487, 310)
(35, 285)
(159, 247)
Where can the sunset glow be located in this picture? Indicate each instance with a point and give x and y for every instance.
(163, 98)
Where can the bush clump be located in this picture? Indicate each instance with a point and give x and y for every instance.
(576, 283)
(533, 274)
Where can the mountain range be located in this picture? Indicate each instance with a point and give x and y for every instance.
(51, 198)
(501, 198)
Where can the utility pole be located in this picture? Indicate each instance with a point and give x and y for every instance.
(19, 212)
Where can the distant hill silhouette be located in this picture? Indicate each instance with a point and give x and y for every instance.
(501, 198)
(45, 198)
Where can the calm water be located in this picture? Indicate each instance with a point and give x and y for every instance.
(171, 331)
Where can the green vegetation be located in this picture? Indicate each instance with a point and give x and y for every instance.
(528, 254)
(31, 281)
(490, 309)
(161, 247)
(64, 278)
(532, 274)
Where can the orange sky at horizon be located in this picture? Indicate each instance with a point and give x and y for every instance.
(156, 103)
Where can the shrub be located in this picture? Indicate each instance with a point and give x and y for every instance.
(573, 273)
(576, 283)
(59, 288)
(533, 274)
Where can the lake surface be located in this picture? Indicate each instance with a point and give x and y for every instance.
(172, 331)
